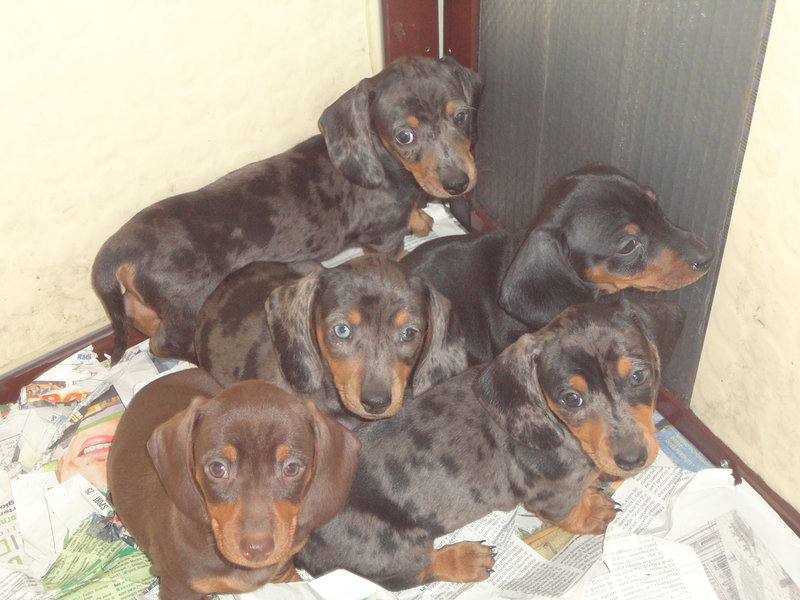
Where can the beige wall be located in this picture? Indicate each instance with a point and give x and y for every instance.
(106, 107)
(747, 386)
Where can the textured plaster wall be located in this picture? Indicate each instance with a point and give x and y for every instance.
(747, 385)
(106, 107)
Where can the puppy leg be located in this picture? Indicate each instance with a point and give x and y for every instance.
(592, 514)
(420, 223)
(463, 562)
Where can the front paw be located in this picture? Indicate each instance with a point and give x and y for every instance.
(420, 223)
(592, 514)
(462, 562)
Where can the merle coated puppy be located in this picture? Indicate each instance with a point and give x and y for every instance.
(388, 145)
(538, 426)
(599, 232)
(357, 338)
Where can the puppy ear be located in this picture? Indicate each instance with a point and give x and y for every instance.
(289, 317)
(444, 352)
(540, 281)
(170, 448)
(509, 390)
(345, 125)
(470, 80)
(660, 321)
(335, 461)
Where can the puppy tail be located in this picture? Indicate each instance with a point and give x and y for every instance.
(108, 290)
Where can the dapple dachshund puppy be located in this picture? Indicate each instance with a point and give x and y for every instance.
(365, 332)
(221, 488)
(387, 145)
(538, 426)
(598, 232)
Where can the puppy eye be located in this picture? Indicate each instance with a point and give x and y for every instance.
(409, 333)
(460, 117)
(571, 400)
(629, 247)
(293, 468)
(404, 137)
(217, 469)
(638, 377)
(342, 331)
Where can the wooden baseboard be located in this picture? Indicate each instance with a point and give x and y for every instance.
(685, 421)
(102, 339)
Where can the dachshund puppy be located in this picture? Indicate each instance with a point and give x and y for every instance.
(388, 145)
(598, 232)
(538, 426)
(362, 331)
(221, 488)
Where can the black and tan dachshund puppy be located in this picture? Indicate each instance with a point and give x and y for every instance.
(598, 232)
(387, 146)
(538, 426)
(354, 338)
(221, 487)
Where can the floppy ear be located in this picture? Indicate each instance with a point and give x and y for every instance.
(345, 125)
(289, 316)
(660, 321)
(508, 388)
(170, 448)
(444, 353)
(470, 82)
(335, 461)
(540, 281)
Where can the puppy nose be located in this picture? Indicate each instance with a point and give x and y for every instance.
(630, 460)
(256, 548)
(703, 260)
(456, 183)
(699, 255)
(375, 403)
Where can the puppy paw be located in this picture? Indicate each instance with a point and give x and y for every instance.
(420, 223)
(462, 562)
(592, 514)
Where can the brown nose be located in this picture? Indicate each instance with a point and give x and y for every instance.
(256, 549)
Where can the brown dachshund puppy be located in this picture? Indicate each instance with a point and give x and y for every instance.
(598, 232)
(388, 145)
(221, 488)
(365, 332)
(537, 426)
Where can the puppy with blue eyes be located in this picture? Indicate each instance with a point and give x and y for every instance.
(221, 487)
(357, 338)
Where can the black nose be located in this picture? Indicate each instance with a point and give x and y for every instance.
(456, 183)
(375, 403)
(701, 256)
(256, 549)
(630, 460)
(702, 261)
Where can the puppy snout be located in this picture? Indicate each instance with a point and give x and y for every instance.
(455, 182)
(257, 548)
(630, 460)
(376, 403)
(702, 260)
